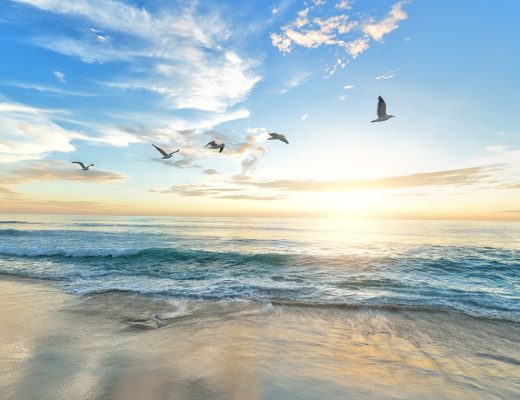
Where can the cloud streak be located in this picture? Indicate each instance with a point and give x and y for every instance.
(228, 193)
(57, 171)
(387, 75)
(455, 177)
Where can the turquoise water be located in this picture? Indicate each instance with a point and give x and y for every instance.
(471, 267)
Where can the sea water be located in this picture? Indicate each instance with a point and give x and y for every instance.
(468, 267)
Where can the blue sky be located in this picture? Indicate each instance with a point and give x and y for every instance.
(99, 81)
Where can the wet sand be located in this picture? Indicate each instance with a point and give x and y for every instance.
(121, 346)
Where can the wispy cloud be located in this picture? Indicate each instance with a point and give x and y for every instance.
(185, 160)
(304, 116)
(456, 177)
(251, 197)
(252, 149)
(337, 30)
(182, 52)
(45, 88)
(195, 190)
(56, 171)
(8, 192)
(298, 79)
(229, 193)
(388, 75)
(23, 204)
(30, 133)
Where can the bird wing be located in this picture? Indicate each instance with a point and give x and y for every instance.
(176, 151)
(381, 107)
(284, 139)
(221, 148)
(273, 134)
(80, 163)
(160, 150)
(212, 143)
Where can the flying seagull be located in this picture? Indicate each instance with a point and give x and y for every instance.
(381, 111)
(278, 136)
(214, 145)
(83, 167)
(165, 155)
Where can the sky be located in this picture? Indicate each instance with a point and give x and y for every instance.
(99, 81)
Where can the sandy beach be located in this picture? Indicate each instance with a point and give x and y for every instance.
(125, 346)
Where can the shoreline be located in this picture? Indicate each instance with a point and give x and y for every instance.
(359, 307)
(113, 346)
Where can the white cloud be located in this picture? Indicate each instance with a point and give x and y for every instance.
(356, 47)
(343, 5)
(183, 57)
(197, 71)
(209, 85)
(60, 76)
(29, 133)
(337, 30)
(347, 87)
(305, 116)
(19, 108)
(378, 30)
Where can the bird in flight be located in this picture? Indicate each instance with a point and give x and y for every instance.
(214, 145)
(83, 167)
(278, 136)
(165, 155)
(381, 111)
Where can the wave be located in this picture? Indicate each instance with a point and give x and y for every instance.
(158, 253)
(184, 226)
(50, 252)
(502, 316)
(337, 266)
(12, 232)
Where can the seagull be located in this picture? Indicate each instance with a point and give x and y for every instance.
(381, 111)
(278, 136)
(83, 165)
(165, 154)
(214, 145)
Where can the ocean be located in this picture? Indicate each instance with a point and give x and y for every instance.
(453, 266)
